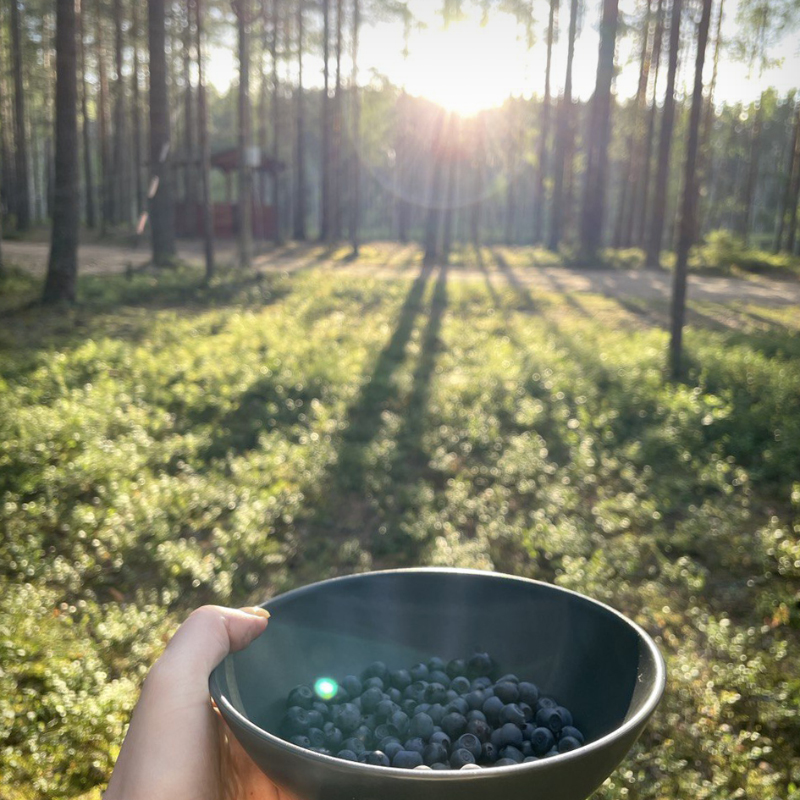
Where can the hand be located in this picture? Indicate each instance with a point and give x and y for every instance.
(178, 747)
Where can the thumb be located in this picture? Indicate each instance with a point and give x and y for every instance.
(210, 633)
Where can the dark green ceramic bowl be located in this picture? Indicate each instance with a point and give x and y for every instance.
(601, 666)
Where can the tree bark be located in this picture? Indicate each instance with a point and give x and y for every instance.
(653, 257)
(119, 187)
(106, 202)
(276, 126)
(189, 125)
(162, 212)
(539, 203)
(449, 203)
(752, 173)
(137, 110)
(205, 148)
(62, 268)
(600, 132)
(300, 232)
(480, 172)
(338, 116)
(433, 221)
(325, 206)
(563, 134)
(792, 179)
(87, 143)
(245, 217)
(355, 206)
(690, 193)
(22, 200)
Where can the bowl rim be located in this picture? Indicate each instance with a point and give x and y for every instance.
(640, 717)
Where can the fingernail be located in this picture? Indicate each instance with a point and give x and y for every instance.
(257, 611)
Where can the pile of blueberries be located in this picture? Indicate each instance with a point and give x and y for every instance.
(432, 716)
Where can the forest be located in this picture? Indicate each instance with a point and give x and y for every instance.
(293, 289)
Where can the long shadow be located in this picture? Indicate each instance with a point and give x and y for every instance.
(523, 291)
(487, 278)
(572, 301)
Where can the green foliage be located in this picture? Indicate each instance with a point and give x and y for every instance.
(724, 252)
(167, 444)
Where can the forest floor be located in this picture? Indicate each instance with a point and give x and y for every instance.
(391, 260)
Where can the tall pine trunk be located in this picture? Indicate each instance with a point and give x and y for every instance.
(752, 173)
(162, 212)
(106, 203)
(337, 211)
(88, 177)
(22, 200)
(300, 232)
(355, 206)
(244, 217)
(62, 268)
(276, 126)
(790, 186)
(563, 136)
(433, 220)
(476, 212)
(539, 201)
(119, 186)
(450, 193)
(325, 205)
(189, 126)
(657, 223)
(688, 221)
(137, 110)
(599, 134)
(205, 147)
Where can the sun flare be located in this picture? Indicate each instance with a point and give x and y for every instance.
(466, 67)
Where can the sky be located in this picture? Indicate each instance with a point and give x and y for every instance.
(470, 67)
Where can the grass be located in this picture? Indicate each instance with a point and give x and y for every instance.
(167, 444)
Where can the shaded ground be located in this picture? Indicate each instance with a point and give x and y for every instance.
(390, 260)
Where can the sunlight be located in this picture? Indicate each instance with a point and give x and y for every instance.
(468, 68)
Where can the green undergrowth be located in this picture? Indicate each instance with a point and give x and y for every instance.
(166, 444)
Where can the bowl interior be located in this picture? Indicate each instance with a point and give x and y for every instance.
(585, 655)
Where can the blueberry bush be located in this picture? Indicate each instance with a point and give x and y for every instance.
(166, 444)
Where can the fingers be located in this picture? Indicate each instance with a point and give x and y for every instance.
(210, 633)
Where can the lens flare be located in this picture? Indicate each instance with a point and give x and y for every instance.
(326, 688)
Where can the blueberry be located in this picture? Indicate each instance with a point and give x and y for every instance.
(435, 693)
(469, 767)
(488, 752)
(333, 736)
(438, 676)
(352, 686)
(528, 759)
(434, 753)
(302, 696)
(347, 755)
(316, 737)
(296, 721)
(567, 743)
(324, 708)
(481, 683)
(479, 665)
(423, 708)
(507, 691)
(400, 679)
(460, 757)
(395, 695)
(512, 713)
(542, 740)
(378, 759)
(479, 728)
(370, 699)
(422, 766)
(353, 744)
(419, 672)
(545, 702)
(373, 683)
(440, 766)
(315, 719)
(416, 691)
(526, 710)
(566, 716)
(435, 664)
(475, 699)
(407, 759)
(528, 693)
(440, 737)
(526, 748)
(454, 724)
(370, 720)
(436, 712)
(461, 685)
(385, 709)
(421, 725)
(376, 670)
(496, 738)
(392, 749)
(459, 705)
(364, 733)
(469, 741)
(553, 752)
(527, 731)
(475, 714)
(569, 730)
(492, 708)
(513, 753)
(510, 734)
(505, 762)
(300, 741)
(510, 677)
(409, 707)
(456, 667)
(385, 730)
(550, 718)
(416, 744)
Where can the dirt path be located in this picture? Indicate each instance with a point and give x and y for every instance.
(110, 259)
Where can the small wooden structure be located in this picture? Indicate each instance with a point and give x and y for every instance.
(189, 212)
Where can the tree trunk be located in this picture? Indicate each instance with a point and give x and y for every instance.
(792, 179)
(752, 173)
(245, 217)
(433, 222)
(87, 143)
(62, 268)
(599, 135)
(539, 203)
(449, 203)
(653, 258)
(690, 194)
(338, 116)
(563, 133)
(102, 119)
(119, 182)
(276, 126)
(480, 177)
(300, 232)
(162, 212)
(795, 202)
(189, 125)
(22, 200)
(355, 206)
(325, 205)
(205, 148)
(137, 110)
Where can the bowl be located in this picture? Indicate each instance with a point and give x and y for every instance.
(593, 660)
